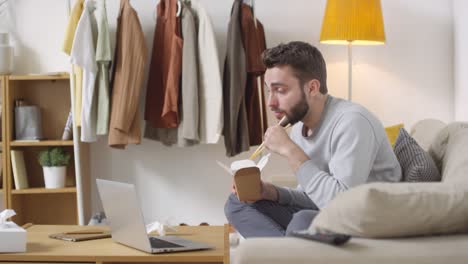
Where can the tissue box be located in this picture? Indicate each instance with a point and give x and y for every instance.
(12, 238)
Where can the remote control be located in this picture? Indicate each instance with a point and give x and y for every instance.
(328, 238)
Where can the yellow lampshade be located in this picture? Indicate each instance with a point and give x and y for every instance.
(357, 21)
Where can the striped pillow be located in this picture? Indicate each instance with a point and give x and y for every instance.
(416, 164)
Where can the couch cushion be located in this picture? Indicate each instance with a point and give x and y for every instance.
(455, 160)
(439, 144)
(396, 209)
(425, 131)
(416, 164)
(417, 250)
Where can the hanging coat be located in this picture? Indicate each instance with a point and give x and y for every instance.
(130, 61)
(83, 55)
(253, 39)
(103, 60)
(162, 94)
(236, 134)
(209, 77)
(77, 75)
(187, 134)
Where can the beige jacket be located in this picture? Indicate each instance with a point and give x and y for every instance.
(130, 61)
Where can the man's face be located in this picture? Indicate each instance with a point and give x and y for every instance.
(285, 94)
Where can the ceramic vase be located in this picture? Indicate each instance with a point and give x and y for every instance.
(6, 54)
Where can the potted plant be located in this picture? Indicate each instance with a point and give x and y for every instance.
(54, 163)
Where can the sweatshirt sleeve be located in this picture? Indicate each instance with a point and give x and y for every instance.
(353, 148)
(295, 197)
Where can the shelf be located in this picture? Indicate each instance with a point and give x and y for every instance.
(44, 190)
(38, 77)
(50, 91)
(46, 143)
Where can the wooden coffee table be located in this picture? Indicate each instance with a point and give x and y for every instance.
(41, 248)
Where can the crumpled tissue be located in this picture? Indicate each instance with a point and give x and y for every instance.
(5, 214)
(161, 228)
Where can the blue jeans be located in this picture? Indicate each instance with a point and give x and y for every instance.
(266, 218)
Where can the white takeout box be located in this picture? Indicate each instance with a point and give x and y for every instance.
(247, 163)
(12, 238)
(247, 177)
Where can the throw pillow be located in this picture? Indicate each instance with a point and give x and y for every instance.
(416, 164)
(383, 210)
(392, 133)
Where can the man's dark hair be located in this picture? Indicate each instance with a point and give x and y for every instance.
(305, 60)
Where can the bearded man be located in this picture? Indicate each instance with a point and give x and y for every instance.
(334, 145)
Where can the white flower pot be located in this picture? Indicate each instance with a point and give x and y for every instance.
(54, 177)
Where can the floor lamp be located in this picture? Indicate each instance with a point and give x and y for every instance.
(352, 22)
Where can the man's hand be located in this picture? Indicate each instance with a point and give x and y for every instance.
(233, 188)
(268, 191)
(278, 141)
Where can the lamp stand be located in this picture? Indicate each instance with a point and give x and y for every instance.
(350, 70)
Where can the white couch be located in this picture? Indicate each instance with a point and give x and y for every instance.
(414, 250)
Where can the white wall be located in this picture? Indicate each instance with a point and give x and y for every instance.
(460, 18)
(408, 79)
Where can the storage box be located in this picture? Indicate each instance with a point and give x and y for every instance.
(12, 238)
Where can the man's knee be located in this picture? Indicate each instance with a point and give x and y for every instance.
(232, 206)
(301, 220)
(305, 215)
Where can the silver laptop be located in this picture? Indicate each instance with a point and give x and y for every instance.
(123, 212)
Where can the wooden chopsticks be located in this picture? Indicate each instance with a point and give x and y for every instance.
(282, 122)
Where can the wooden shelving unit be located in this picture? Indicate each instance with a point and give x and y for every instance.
(37, 204)
(43, 190)
(39, 77)
(4, 181)
(46, 143)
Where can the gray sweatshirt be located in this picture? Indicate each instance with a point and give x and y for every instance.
(349, 147)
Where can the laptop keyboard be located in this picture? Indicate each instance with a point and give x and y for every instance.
(158, 243)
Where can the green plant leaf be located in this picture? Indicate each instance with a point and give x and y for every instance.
(54, 157)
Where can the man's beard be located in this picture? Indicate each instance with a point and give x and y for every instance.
(298, 111)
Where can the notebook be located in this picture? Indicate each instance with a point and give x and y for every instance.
(76, 237)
